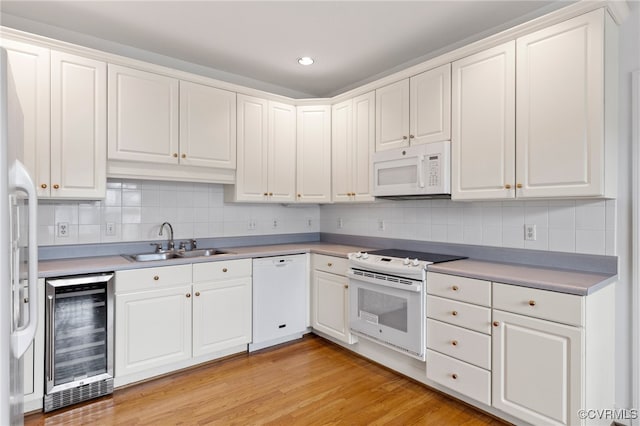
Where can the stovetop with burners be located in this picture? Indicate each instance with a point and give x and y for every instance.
(404, 263)
(411, 255)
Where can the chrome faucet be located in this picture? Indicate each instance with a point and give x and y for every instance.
(170, 244)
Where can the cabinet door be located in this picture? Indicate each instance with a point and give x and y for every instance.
(430, 107)
(153, 328)
(537, 369)
(251, 173)
(221, 315)
(282, 153)
(313, 154)
(483, 125)
(143, 116)
(207, 126)
(392, 116)
(560, 110)
(330, 305)
(28, 107)
(363, 143)
(78, 127)
(342, 150)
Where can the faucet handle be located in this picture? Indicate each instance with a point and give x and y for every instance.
(194, 244)
(183, 245)
(158, 246)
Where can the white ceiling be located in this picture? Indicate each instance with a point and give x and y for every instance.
(353, 42)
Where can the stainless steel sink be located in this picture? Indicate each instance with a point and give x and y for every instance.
(201, 252)
(177, 254)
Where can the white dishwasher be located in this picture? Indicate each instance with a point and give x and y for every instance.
(280, 302)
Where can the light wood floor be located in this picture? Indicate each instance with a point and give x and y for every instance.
(309, 382)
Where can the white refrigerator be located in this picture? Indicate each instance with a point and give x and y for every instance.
(18, 258)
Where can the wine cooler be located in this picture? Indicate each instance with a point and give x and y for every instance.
(79, 339)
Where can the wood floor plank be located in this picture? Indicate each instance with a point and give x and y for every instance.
(309, 382)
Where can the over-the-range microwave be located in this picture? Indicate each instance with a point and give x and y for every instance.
(419, 171)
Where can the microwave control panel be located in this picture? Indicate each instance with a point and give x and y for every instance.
(433, 168)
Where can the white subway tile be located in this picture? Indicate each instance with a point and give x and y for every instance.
(67, 212)
(113, 197)
(536, 215)
(513, 217)
(130, 232)
(513, 236)
(89, 215)
(88, 234)
(610, 242)
(150, 197)
(562, 240)
(455, 234)
(492, 235)
(590, 241)
(46, 214)
(131, 197)
(439, 232)
(562, 217)
(590, 216)
(131, 214)
(472, 235)
(439, 216)
(46, 235)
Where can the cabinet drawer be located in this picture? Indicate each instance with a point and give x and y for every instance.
(543, 304)
(151, 278)
(459, 288)
(331, 264)
(221, 270)
(463, 378)
(460, 343)
(477, 318)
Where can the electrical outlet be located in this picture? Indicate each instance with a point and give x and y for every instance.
(381, 225)
(340, 224)
(63, 229)
(275, 223)
(530, 232)
(110, 229)
(251, 225)
(309, 222)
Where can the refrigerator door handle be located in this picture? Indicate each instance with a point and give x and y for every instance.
(22, 338)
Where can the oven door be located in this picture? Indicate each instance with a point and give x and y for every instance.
(391, 316)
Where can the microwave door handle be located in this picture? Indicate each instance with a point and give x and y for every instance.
(421, 171)
(21, 339)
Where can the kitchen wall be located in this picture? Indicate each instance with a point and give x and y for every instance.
(137, 208)
(566, 225)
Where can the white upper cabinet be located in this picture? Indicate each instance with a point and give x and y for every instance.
(169, 129)
(415, 110)
(207, 126)
(551, 134)
(78, 127)
(430, 106)
(266, 152)
(29, 106)
(143, 116)
(282, 153)
(561, 109)
(483, 124)
(352, 143)
(313, 153)
(57, 109)
(392, 116)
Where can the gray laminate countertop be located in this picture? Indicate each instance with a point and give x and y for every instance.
(559, 280)
(563, 281)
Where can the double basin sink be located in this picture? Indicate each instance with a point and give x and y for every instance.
(175, 254)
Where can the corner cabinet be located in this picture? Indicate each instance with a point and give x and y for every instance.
(164, 128)
(266, 169)
(313, 154)
(352, 143)
(330, 297)
(57, 106)
(415, 110)
(551, 133)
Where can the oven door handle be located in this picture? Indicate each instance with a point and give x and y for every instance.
(415, 287)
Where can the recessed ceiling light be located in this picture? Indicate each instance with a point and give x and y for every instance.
(305, 60)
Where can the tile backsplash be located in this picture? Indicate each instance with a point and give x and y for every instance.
(565, 226)
(195, 210)
(136, 209)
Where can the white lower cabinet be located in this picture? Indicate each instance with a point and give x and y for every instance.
(153, 318)
(221, 306)
(459, 334)
(537, 369)
(538, 356)
(175, 316)
(330, 297)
